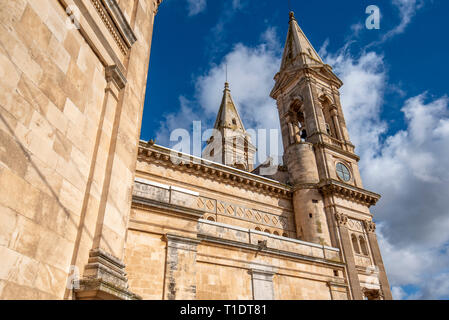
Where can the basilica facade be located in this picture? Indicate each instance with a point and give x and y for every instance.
(89, 211)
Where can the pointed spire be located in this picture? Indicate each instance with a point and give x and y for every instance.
(230, 144)
(298, 50)
(228, 116)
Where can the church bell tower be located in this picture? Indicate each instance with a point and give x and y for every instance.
(331, 206)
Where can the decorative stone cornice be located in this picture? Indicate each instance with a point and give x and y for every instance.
(113, 18)
(202, 167)
(337, 148)
(370, 226)
(120, 22)
(348, 191)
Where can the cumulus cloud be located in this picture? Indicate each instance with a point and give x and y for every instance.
(183, 119)
(362, 96)
(195, 7)
(250, 74)
(409, 169)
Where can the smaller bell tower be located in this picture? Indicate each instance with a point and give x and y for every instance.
(230, 144)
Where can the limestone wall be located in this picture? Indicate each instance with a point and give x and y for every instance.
(71, 98)
(202, 259)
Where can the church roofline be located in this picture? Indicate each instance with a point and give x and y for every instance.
(223, 171)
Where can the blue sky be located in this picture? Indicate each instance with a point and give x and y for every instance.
(394, 98)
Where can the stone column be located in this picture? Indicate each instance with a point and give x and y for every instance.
(262, 283)
(334, 114)
(339, 291)
(354, 282)
(374, 245)
(180, 269)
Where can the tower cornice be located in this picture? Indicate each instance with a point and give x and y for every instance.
(331, 186)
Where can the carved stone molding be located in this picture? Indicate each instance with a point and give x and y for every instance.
(341, 218)
(120, 21)
(110, 25)
(370, 226)
(113, 73)
(213, 170)
(348, 191)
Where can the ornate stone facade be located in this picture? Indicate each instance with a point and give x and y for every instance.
(87, 211)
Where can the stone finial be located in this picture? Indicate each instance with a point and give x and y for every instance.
(292, 16)
(370, 226)
(341, 218)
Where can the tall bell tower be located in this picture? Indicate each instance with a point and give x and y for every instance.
(330, 204)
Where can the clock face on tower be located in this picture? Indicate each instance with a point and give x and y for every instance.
(343, 172)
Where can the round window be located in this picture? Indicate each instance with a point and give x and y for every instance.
(343, 172)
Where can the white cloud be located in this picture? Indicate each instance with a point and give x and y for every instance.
(398, 293)
(182, 119)
(195, 7)
(361, 96)
(409, 170)
(407, 11)
(250, 74)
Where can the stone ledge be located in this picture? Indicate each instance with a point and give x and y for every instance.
(179, 210)
(256, 248)
(99, 289)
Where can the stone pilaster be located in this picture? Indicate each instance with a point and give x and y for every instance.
(373, 243)
(262, 284)
(338, 290)
(180, 269)
(348, 254)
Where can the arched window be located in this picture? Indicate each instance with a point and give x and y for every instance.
(210, 218)
(276, 233)
(363, 246)
(355, 244)
(258, 229)
(330, 125)
(267, 231)
(285, 234)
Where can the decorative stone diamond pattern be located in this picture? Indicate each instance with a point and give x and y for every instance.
(284, 222)
(210, 205)
(266, 219)
(215, 206)
(200, 203)
(362, 261)
(220, 207)
(355, 225)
